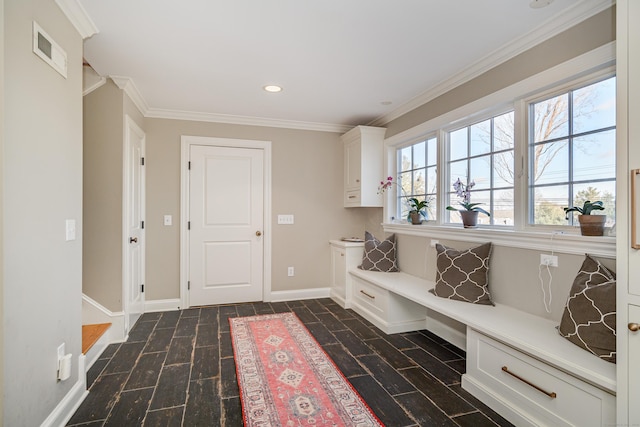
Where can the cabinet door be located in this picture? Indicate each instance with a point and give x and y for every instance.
(338, 271)
(633, 103)
(352, 154)
(633, 367)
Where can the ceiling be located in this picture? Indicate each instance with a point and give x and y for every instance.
(340, 63)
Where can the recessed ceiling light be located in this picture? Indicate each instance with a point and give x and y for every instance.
(538, 4)
(272, 88)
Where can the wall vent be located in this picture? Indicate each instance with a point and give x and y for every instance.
(49, 50)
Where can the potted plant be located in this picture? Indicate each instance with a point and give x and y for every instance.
(590, 225)
(469, 211)
(417, 210)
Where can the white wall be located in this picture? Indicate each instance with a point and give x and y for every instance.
(42, 176)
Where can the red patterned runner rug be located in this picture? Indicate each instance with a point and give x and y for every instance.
(286, 379)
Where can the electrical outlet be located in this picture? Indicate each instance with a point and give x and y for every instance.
(433, 243)
(290, 272)
(550, 260)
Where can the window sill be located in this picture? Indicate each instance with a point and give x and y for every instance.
(604, 246)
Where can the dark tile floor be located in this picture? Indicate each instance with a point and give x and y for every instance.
(177, 369)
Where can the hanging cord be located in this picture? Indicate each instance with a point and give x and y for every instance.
(547, 304)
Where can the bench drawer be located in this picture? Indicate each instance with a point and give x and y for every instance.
(538, 392)
(371, 297)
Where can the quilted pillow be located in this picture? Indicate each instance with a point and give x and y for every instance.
(379, 256)
(589, 318)
(463, 275)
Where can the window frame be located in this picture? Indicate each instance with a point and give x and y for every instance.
(394, 190)
(561, 89)
(444, 143)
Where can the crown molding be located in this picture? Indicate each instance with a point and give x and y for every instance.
(78, 16)
(245, 120)
(579, 12)
(91, 80)
(130, 88)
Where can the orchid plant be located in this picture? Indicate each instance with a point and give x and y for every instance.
(464, 191)
(415, 205)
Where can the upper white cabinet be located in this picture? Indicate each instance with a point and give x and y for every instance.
(363, 147)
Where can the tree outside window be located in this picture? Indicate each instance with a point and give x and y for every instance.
(572, 152)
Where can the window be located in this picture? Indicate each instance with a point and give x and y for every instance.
(572, 150)
(418, 176)
(531, 152)
(483, 153)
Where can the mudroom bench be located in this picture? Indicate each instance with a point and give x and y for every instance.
(517, 363)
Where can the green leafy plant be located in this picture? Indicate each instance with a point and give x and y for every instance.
(464, 191)
(586, 208)
(419, 206)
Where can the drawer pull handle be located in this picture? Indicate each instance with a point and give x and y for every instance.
(551, 394)
(366, 294)
(352, 197)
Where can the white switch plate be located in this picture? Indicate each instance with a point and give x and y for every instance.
(168, 220)
(70, 230)
(290, 272)
(285, 219)
(434, 243)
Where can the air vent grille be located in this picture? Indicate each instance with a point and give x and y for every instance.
(46, 48)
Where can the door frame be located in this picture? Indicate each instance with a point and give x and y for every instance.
(131, 125)
(186, 142)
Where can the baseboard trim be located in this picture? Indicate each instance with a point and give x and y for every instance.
(156, 305)
(100, 307)
(71, 401)
(96, 350)
(299, 294)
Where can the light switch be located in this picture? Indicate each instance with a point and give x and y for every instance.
(285, 219)
(168, 220)
(70, 230)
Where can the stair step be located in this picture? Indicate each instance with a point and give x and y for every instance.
(91, 334)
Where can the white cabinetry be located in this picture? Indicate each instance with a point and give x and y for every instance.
(363, 148)
(529, 392)
(344, 256)
(628, 257)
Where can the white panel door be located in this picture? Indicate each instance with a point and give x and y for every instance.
(134, 202)
(226, 204)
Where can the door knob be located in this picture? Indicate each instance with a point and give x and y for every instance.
(258, 233)
(133, 240)
(634, 327)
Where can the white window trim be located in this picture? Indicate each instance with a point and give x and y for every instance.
(521, 235)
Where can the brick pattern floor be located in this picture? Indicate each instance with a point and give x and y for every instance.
(177, 369)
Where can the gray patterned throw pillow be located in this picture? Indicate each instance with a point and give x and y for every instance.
(589, 318)
(463, 275)
(379, 256)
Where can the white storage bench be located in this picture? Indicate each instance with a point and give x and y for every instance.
(517, 363)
